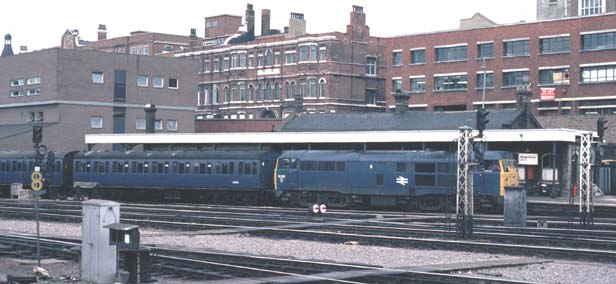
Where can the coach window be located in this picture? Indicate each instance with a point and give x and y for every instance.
(217, 170)
(225, 168)
(95, 169)
(202, 168)
(146, 167)
(140, 168)
(125, 166)
(254, 168)
(240, 168)
(166, 167)
(187, 169)
(134, 167)
(247, 169)
(178, 169)
(196, 168)
(400, 167)
(424, 174)
(2, 167)
(101, 167)
(231, 167)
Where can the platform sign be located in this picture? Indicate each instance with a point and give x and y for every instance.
(548, 94)
(528, 159)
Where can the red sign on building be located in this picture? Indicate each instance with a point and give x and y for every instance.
(548, 94)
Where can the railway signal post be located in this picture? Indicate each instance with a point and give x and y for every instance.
(464, 193)
(585, 182)
(37, 182)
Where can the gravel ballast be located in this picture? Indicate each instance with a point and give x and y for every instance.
(554, 272)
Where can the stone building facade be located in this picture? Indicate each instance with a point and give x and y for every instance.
(557, 9)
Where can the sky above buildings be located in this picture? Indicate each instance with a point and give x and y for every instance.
(40, 24)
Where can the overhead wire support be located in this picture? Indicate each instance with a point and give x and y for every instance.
(464, 192)
(585, 182)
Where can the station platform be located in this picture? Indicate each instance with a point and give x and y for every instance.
(604, 201)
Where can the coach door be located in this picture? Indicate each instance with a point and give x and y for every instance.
(286, 174)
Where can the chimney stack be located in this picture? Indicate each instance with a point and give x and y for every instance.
(402, 101)
(102, 32)
(357, 28)
(193, 40)
(297, 25)
(265, 22)
(523, 95)
(150, 118)
(250, 19)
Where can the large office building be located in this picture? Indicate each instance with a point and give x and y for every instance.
(77, 92)
(557, 9)
(570, 60)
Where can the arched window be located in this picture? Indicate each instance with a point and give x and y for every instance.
(268, 91)
(269, 59)
(234, 93)
(259, 92)
(322, 88)
(313, 88)
(242, 92)
(292, 90)
(277, 91)
(251, 93)
(215, 95)
(302, 88)
(225, 94)
(287, 90)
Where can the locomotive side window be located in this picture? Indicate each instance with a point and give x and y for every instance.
(283, 164)
(424, 174)
(308, 166)
(400, 167)
(340, 166)
(446, 180)
(326, 166)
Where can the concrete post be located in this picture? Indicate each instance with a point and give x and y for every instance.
(98, 258)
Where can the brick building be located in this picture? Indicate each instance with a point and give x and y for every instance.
(282, 72)
(443, 70)
(557, 9)
(74, 92)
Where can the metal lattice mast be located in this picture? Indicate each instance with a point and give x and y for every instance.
(585, 185)
(464, 194)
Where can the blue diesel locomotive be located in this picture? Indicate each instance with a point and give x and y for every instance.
(416, 179)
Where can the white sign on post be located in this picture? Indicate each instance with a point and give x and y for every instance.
(528, 159)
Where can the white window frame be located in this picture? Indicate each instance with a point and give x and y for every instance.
(34, 92)
(33, 80)
(102, 77)
(172, 128)
(162, 82)
(601, 7)
(92, 122)
(17, 82)
(177, 83)
(147, 79)
(372, 66)
(158, 124)
(138, 124)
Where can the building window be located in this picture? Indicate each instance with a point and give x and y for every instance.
(259, 91)
(215, 93)
(17, 83)
(277, 58)
(277, 91)
(158, 82)
(313, 53)
(598, 74)
(289, 57)
(418, 56)
(554, 45)
(235, 60)
(17, 93)
(599, 41)
(397, 58)
(146, 50)
(34, 91)
(225, 64)
(313, 88)
(140, 123)
(489, 82)
(515, 79)
(450, 82)
(485, 50)
(133, 50)
(243, 60)
(268, 91)
(516, 48)
(302, 88)
(303, 53)
(371, 65)
(260, 60)
(98, 77)
(418, 85)
(96, 122)
(34, 81)
(591, 7)
(39, 116)
(448, 54)
(370, 97)
(216, 64)
(322, 88)
(322, 54)
(234, 93)
(242, 92)
(558, 76)
(269, 57)
(251, 93)
(158, 124)
(172, 125)
(396, 85)
(174, 83)
(142, 81)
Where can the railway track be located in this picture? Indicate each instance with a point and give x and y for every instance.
(219, 267)
(417, 230)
